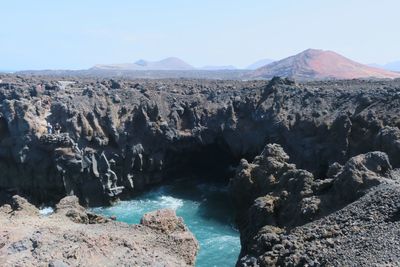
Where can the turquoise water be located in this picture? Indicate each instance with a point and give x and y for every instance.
(205, 209)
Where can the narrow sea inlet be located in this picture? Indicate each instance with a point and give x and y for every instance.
(205, 208)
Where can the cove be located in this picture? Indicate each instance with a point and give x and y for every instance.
(205, 208)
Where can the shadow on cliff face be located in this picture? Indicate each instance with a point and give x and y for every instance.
(213, 162)
(4, 132)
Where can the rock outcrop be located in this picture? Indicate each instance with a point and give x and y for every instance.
(73, 237)
(280, 209)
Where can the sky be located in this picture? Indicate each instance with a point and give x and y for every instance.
(77, 34)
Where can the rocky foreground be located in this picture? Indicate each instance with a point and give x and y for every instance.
(74, 237)
(316, 164)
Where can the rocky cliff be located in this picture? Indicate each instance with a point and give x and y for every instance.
(119, 136)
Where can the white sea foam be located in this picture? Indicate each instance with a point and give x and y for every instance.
(171, 202)
(46, 211)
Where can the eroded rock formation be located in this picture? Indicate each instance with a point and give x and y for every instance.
(280, 207)
(118, 136)
(74, 237)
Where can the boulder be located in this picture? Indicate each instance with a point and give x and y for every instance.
(164, 220)
(167, 222)
(359, 174)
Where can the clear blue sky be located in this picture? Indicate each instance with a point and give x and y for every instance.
(77, 34)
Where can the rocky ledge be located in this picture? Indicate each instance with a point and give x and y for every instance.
(74, 237)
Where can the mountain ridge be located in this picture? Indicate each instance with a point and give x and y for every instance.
(391, 66)
(315, 64)
(311, 64)
(169, 63)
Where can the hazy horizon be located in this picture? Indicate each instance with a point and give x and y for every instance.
(77, 35)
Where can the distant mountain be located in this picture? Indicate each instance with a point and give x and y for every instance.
(259, 64)
(393, 66)
(171, 63)
(313, 64)
(7, 71)
(228, 67)
(310, 64)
